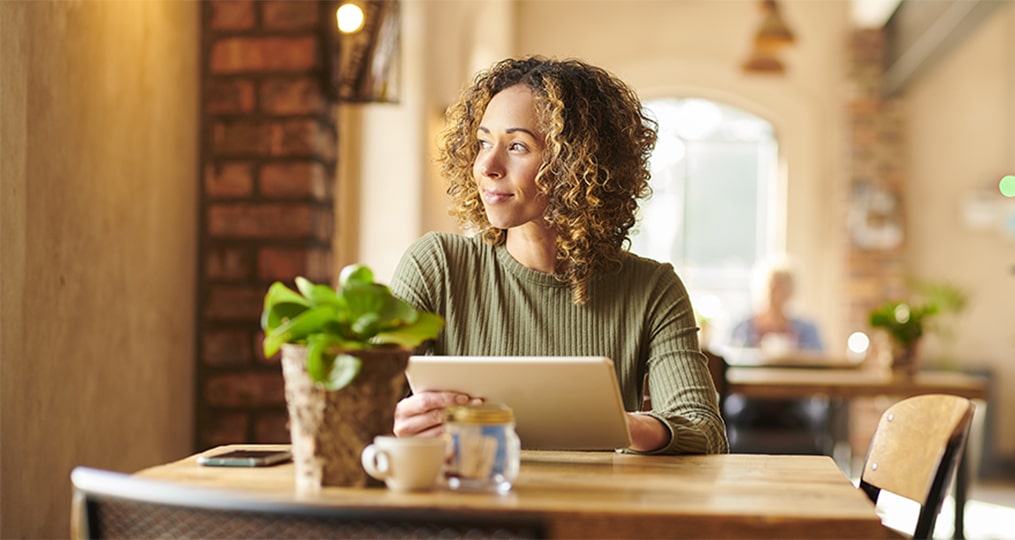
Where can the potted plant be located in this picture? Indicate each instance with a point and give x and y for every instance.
(344, 353)
(907, 322)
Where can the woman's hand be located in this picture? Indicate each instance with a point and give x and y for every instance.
(647, 432)
(423, 413)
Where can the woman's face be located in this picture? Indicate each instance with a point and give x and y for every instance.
(510, 154)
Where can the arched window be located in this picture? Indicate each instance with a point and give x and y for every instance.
(714, 185)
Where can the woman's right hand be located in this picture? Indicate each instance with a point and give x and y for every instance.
(422, 414)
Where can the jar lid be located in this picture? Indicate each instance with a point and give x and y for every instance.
(487, 413)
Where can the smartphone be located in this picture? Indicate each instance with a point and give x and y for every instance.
(246, 458)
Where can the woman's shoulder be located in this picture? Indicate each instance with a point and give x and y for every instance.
(452, 248)
(643, 266)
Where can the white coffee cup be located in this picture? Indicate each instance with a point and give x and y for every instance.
(405, 463)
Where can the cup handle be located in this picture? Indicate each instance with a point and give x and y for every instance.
(376, 462)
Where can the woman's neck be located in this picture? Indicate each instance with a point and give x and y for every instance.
(534, 248)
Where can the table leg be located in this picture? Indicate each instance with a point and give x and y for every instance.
(838, 420)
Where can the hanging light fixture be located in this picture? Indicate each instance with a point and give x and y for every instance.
(362, 53)
(772, 36)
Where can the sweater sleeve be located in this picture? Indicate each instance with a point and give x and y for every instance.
(683, 394)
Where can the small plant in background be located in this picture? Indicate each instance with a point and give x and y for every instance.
(333, 324)
(908, 321)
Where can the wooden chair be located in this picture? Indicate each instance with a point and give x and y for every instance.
(116, 505)
(915, 450)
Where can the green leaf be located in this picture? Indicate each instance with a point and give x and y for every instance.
(319, 362)
(281, 302)
(343, 371)
(296, 329)
(355, 273)
(427, 326)
(304, 285)
(367, 325)
(383, 310)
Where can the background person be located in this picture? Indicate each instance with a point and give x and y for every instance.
(546, 160)
(777, 425)
(772, 328)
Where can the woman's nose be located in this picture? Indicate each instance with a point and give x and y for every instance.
(489, 165)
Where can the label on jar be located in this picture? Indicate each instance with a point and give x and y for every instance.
(484, 457)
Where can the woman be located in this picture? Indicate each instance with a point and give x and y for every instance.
(546, 160)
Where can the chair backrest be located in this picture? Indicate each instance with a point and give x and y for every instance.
(116, 505)
(914, 452)
(717, 366)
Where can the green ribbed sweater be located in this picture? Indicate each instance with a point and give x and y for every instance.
(641, 318)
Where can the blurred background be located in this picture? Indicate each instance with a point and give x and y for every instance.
(164, 161)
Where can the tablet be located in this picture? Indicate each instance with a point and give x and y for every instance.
(559, 402)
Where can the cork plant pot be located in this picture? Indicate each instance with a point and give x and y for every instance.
(330, 429)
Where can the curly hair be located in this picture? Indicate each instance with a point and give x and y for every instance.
(595, 164)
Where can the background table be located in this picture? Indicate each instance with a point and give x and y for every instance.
(845, 384)
(607, 494)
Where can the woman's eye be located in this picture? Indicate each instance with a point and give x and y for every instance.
(483, 144)
(518, 147)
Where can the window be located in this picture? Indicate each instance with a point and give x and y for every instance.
(714, 186)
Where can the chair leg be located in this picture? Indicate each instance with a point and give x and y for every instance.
(961, 494)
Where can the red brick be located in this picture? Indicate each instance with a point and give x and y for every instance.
(245, 389)
(272, 427)
(290, 15)
(226, 347)
(284, 264)
(229, 96)
(293, 96)
(242, 137)
(232, 15)
(245, 220)
(258, 346)
(324, 224)
(303, 137)
(234, 302)
(259, 54)
(228, 262)
(295, 180)
(235, 179)
(220, 428)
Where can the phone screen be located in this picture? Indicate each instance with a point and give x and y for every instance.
(246, 458)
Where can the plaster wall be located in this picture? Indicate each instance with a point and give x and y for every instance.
(98, 102)
(961, 140)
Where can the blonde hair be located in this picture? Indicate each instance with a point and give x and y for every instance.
(595, 166)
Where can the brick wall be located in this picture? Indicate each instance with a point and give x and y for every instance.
(268, 142)
(876, 157)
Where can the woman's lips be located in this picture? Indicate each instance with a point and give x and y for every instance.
(494, 197)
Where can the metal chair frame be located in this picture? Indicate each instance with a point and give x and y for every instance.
(115, 505)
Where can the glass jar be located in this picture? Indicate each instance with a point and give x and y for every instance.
(485, 452)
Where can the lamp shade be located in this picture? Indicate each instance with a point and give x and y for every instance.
(773, 30)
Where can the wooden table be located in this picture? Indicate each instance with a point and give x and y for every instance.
(607, 494)
(771, 382)
(845, 384)
(750, 357)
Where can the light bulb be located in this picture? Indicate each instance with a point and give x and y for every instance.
(349, 17)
